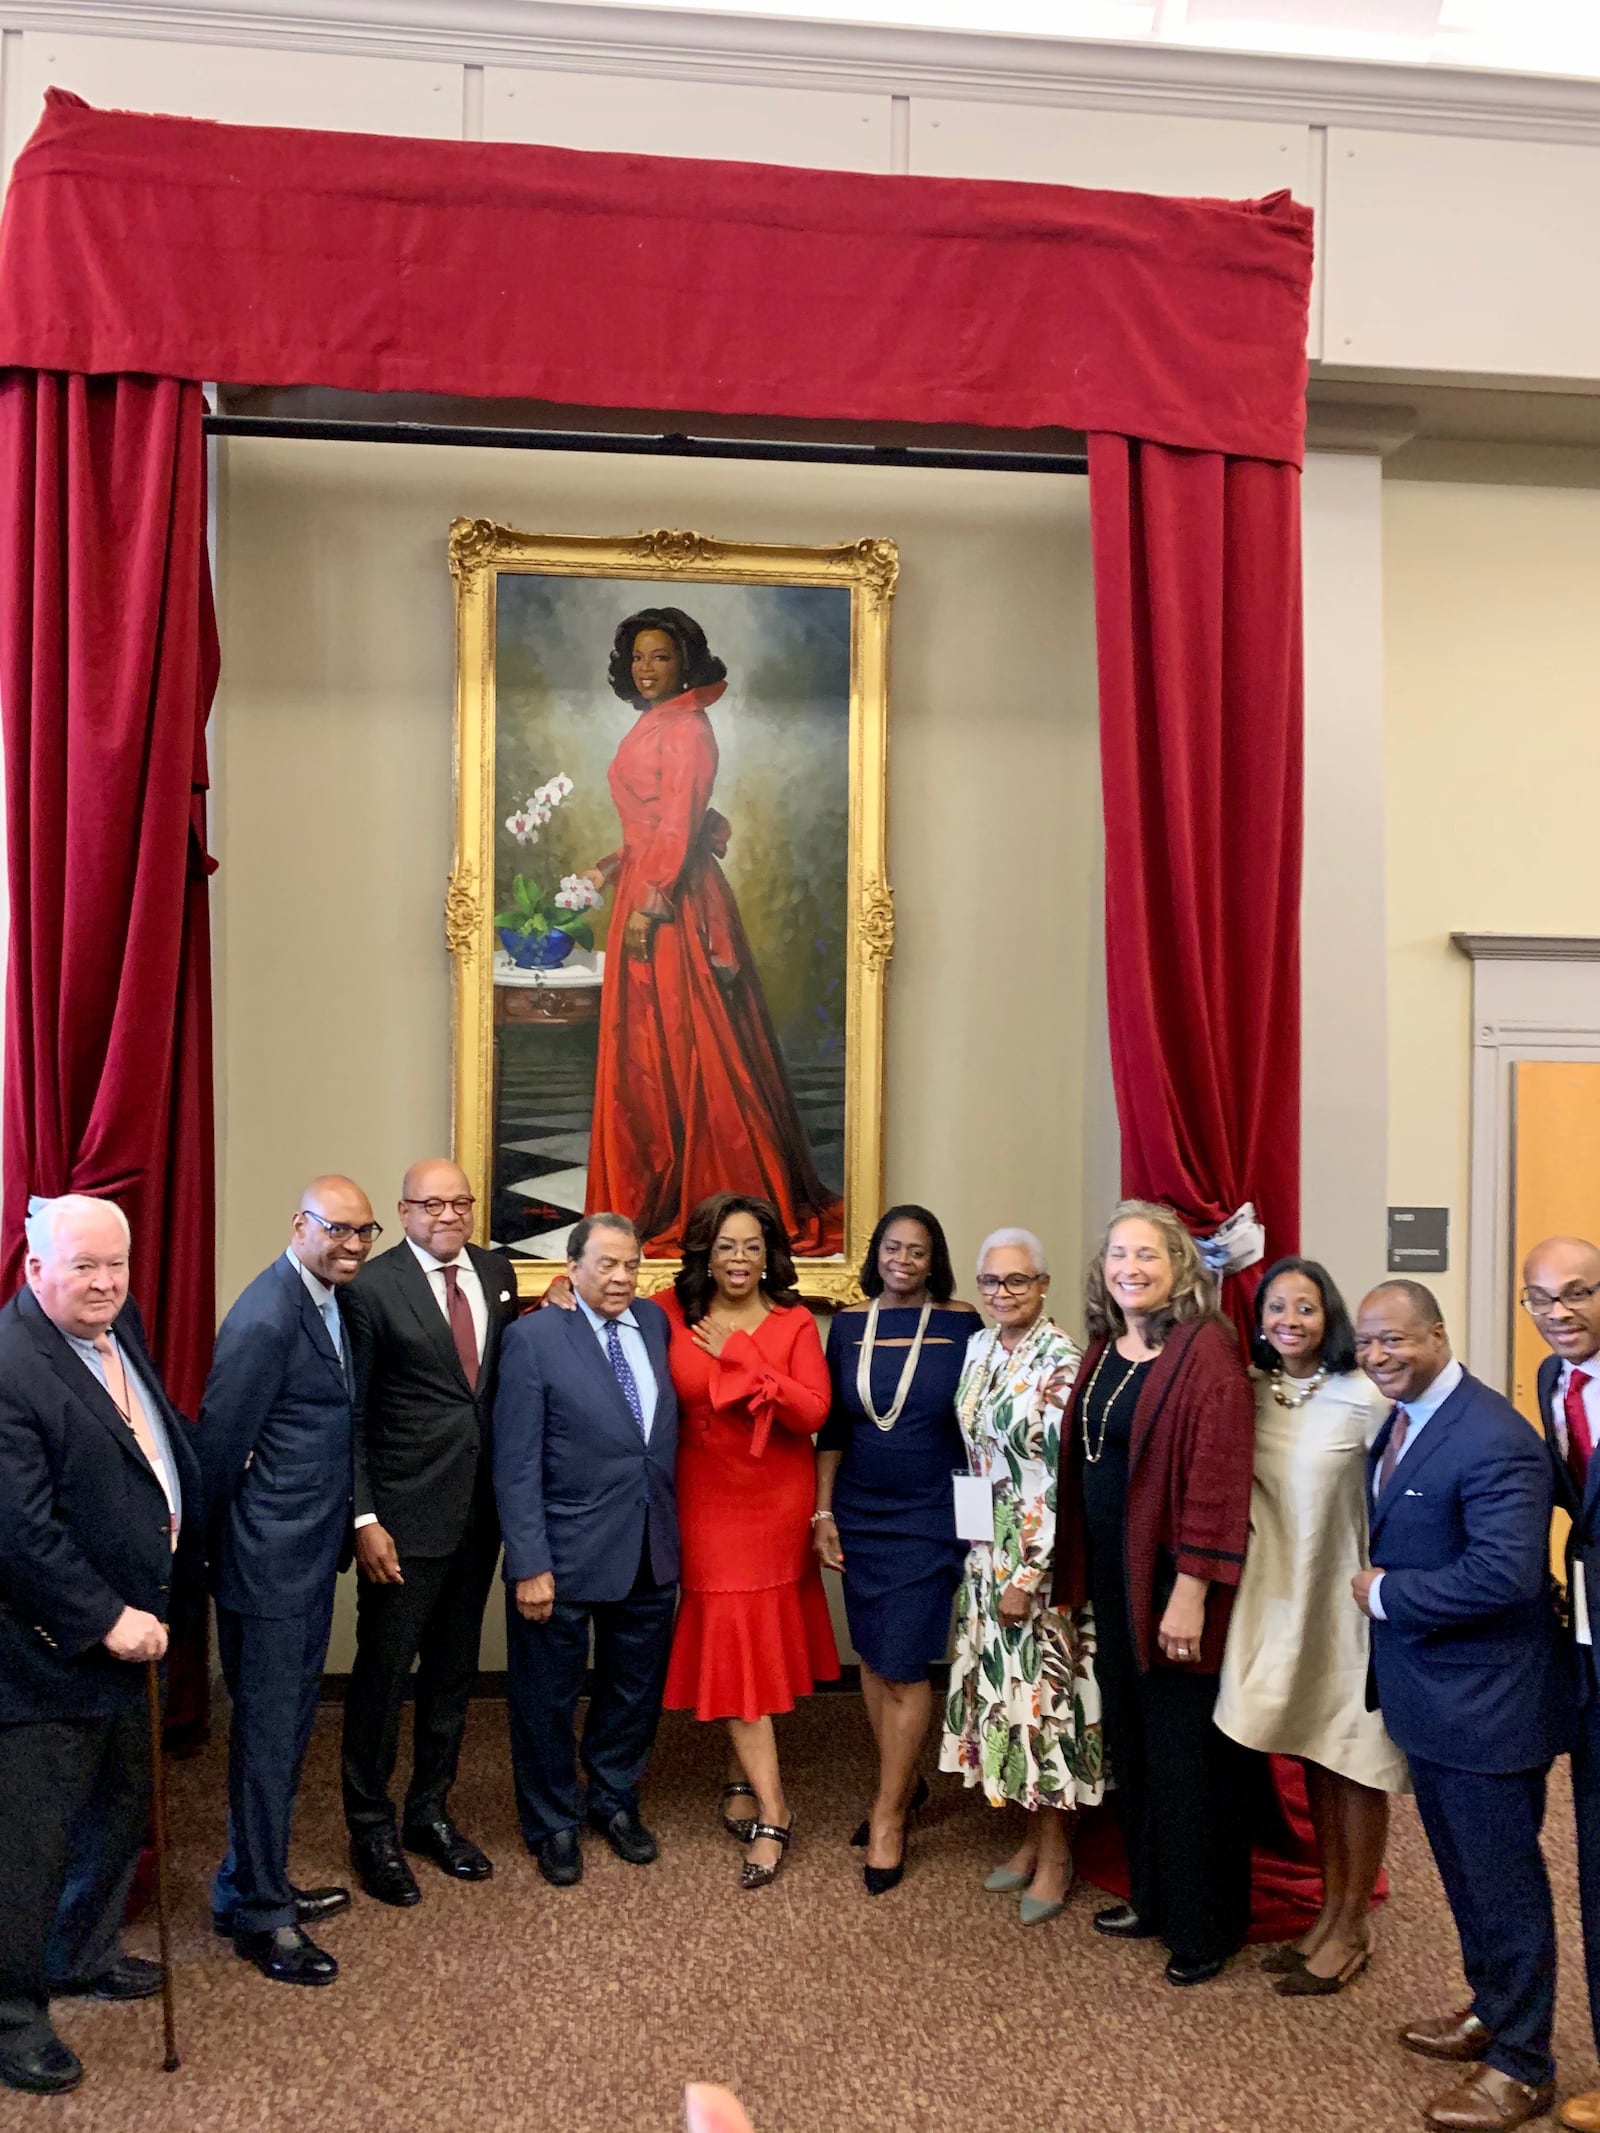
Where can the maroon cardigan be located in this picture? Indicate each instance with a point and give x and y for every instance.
(1189, 1468)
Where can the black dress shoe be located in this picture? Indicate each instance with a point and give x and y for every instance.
(1123, 1922)
(381, 1869)
(289, 1956)
(879, 1880)
(560, 1859)
(1182, 1971)
(130, 1977)
(918, 1800)
(50, 2069)
(311, 1907)
(626, 1835)
(453, 1854)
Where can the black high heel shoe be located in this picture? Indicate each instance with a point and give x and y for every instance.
(752, 1876)
(740, 1826)
(879, 1880)
(919, 1799)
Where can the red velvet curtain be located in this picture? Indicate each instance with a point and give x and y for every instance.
(108, 661)
(1197, 603)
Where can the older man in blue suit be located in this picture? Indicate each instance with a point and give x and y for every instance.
(275, 1449)
(585, 1438)
(1472, 1688)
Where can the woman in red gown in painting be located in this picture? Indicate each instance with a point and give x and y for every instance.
(691, 1096)
(753, 1632)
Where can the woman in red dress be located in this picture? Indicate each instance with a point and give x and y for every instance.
(753, 1631)
(690, 1096)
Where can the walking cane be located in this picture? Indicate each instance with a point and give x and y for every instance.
(171, 2062)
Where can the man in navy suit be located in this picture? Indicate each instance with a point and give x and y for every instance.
(1471, 1685)
(1561, 1294)
(585, 1436)
(275, 1449)
(99, 1503)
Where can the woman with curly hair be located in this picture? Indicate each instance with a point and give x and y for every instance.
(1022, 1716)
(1154, 1516)
(754, 1633)
(691, 1095)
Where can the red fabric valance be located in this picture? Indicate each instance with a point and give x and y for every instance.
(255, 255)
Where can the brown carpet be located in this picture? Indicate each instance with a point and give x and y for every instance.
(513, 2005)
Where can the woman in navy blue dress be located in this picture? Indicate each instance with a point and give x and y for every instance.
(885, 1502)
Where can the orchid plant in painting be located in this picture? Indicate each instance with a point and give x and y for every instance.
(541, 927)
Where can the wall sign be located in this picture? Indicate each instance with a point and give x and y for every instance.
(1419, 1240)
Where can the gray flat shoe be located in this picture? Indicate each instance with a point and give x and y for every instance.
(1005, 1881)
(1034, 1911)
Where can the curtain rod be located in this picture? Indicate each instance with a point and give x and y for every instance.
(669, 446)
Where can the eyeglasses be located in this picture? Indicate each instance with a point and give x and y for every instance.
(339, 1231)
(1013, 1284)
(1539, 1303)
(463, 1206)
(730, 1248)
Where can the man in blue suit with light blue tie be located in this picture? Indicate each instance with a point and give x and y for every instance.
(585, 1440)
(1472, 1688)
(275, 1449)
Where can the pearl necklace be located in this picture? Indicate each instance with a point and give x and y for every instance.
(1308, 1388)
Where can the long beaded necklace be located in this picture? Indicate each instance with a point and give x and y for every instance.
(1000, 1363)
(1306, 1388)
(1094, 1452)
(907, 1373)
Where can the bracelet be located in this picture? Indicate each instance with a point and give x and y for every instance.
(818, 1516)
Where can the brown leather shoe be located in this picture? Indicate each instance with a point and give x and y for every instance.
(1452, 2036)
(1581, 2114)
(1487, 2101)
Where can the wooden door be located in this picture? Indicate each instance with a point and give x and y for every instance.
(1555, 1184)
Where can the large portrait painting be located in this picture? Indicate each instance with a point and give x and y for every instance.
(669, 912)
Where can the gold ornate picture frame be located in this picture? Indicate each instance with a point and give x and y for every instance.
(732, 955)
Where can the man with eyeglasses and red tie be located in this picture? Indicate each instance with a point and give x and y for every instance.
(274, 1445)
(1561, 1294)
(1472, 1688)
(425, 1322)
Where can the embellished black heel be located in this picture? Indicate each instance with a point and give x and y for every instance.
(757, 1877)
(740, 1826)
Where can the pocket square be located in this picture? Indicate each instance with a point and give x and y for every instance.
(505, 1296)
(1414, 1492)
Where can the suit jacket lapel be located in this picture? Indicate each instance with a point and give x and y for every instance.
(1413, 1463)
(81, 1382)
(417, 1289)
(316, 1327)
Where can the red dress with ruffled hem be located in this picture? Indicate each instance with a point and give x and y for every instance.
(754, 1633)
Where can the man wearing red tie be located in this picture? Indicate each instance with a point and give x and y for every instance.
(425, 1324)
(1561, 1294)
(1472, 1688)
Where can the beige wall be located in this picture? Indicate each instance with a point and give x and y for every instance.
(1492, 646)
(334, 816)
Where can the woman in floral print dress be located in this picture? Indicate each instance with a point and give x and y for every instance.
(1023, 1714)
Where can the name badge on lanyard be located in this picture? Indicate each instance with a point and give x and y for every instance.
(974, 1507)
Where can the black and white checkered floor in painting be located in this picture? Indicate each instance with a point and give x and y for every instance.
(544, 1154)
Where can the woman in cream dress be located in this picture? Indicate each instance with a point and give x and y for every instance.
(1295, 1673)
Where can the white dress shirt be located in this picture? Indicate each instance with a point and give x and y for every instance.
(1419, 1413)
(633, 1347)
(466, 1281)
(1591, 1401)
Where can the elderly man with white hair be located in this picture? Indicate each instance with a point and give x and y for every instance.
(97, 1481)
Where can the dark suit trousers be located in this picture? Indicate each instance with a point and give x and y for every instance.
(76, 1794)
(1586, 1813)
(435, 1619)
(1483, 1829)
(545, 1664)
(1183, 1794)
(273, 1668)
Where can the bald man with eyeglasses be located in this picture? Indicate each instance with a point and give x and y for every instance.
(1561, 1294)
(275, 1449)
